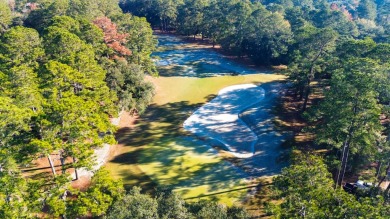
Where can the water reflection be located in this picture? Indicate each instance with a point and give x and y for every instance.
(176, 58)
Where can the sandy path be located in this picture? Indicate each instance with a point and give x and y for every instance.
(104, 153)
(219, 119)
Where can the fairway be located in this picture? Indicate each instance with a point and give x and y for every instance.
(158, 151)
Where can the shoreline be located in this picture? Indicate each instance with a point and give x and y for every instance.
(205, 44)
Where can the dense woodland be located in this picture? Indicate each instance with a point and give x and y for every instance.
(68, 66)
(266, 31)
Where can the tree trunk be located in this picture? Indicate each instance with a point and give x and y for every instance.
(310, 77)
(76, 175)
(384, 177)
(62, 159)
(300, 92)
(378, 169)
(53, 170)
(344, 160)
(386, 194)
(345, 153)
(307, 93)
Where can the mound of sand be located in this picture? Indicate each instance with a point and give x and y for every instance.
(219, 119)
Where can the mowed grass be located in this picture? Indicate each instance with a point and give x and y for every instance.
(159, 152)
(199, 90)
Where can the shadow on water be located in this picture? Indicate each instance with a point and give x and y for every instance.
(175, 59)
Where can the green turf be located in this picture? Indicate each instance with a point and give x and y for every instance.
(159, 152)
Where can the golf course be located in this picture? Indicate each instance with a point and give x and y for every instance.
(202, 117)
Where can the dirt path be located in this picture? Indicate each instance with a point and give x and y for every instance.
(125, 122)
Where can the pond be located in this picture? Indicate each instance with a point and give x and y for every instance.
(176, 58)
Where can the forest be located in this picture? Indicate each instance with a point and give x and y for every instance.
(68, 67)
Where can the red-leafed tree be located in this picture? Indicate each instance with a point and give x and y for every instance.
(32, 5)
(334, 7)
(346, 13)
(112, 37)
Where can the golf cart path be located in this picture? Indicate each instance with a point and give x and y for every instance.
(220, 120)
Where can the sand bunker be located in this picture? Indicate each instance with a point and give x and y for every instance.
(219, 119)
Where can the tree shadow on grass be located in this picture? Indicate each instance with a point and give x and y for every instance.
(160, 141)
(270, 155)
(158, 126)
(169, 155)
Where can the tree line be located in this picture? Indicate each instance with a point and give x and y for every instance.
(307, 191)
(107, 198)
(66, 68)
(264, 30)
(350, 120)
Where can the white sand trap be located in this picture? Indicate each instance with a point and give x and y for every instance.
(219, 119)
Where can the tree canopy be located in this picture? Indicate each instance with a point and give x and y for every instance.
(307, 191)
(57, 65)
(69, 66)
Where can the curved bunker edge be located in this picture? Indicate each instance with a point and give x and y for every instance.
(219, 120)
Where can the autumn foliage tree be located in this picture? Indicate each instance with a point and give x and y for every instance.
(112, 37)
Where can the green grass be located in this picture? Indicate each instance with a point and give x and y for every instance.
(199, 90)
(159, 152)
